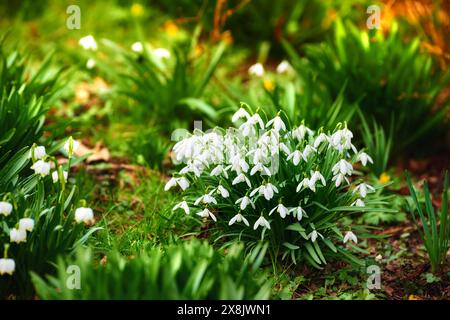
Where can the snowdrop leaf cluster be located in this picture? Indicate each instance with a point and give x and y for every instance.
(262, 173)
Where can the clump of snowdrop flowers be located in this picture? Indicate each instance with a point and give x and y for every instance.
(262, 174)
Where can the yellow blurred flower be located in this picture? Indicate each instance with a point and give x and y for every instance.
(384, 178)
(171, 28)
(137, 9)
(198, 50)
(227, 37)
(414, 297)
(269, 85)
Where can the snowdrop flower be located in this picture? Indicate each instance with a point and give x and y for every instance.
(244, 202)
(5, 208)
(298, 212)
(219, 170)
(85, 215)
(223, 192)
(241, 113)
(284, 67)
(300, 132)
(267, 190)
(75, 145)
(162, 53)
(238, 218)
(305, 183)
(17, 235)
(295, 156)
(206, 213)
(358, 203)
(90, 64)
(363, 189)
(341, 140)
(182, 205)
(41, 167)
(55, 176)
(7, 266)
(285, 148)
(343, 167)
(261, 222)
(277, 124)
(88, 43)
(317, 176)
(259, 167)
(26, 224)
(256, 70)
(38, 153)
(256, 119)
(364, 158)
(137, 47)
(281, 209)
(239, 164)
(339, 178)
(311, 182)
(313, 235)
(308, 150)
(350, 236)
(320, 138)
(206, 199)
(182, 182)
(241, 178)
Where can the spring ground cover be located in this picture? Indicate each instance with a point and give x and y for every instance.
(123, 106)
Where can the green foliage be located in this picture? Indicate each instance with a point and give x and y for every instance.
(190, 270)
(391, 80)
(435, 229)
(378, 145)
(163, 88)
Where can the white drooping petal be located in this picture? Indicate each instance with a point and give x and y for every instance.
(261, 222)
(238, 218)
(205, 213)
(137, 47)
(295, 156)
(241, 113)
(350, 236)
(256, 70)
(85, 215)
(161, 53)
(244, 202)
(223, 192)
(41, 168)
(55, 176)
(38, 153)
(358, 203)
(182, 205)
(17, 235)
(277, 124)
(284, 67)
(313, 235)
(5, 208)
(88, 43)
(7, 266)
(364, 158)
(26, 224)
